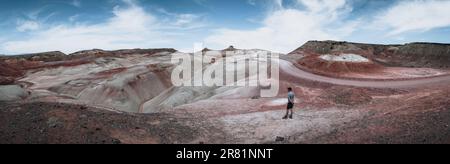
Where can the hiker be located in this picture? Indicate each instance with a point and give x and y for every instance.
(290, 105)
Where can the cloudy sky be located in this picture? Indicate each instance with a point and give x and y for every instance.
(278, 25)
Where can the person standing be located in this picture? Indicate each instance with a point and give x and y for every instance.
(290, 105)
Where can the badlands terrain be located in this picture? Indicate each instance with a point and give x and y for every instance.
(345, 93)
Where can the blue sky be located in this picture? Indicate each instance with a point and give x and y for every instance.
(29, 26)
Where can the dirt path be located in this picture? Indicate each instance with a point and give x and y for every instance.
(288, 68)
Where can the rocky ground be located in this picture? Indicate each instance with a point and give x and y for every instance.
(58, 123)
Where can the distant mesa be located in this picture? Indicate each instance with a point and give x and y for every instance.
(231, 48)
(206, 50)
(430, 55)
(57, 56)
(93, 51)
(43, 56)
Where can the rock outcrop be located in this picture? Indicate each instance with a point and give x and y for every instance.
(430, 55)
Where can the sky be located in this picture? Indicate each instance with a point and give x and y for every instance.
(29, 26)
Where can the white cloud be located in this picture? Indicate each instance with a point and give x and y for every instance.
(285, 29)
(201, 3)
(35, 13)
(278, 4)
(73, 18)
(27, 25)
(130, 27)
(183, 21)
(33, 20)
(417, 15)
(76, 3)
(251, 2)
(323, 5)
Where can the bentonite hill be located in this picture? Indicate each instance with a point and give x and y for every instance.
(345, 93)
